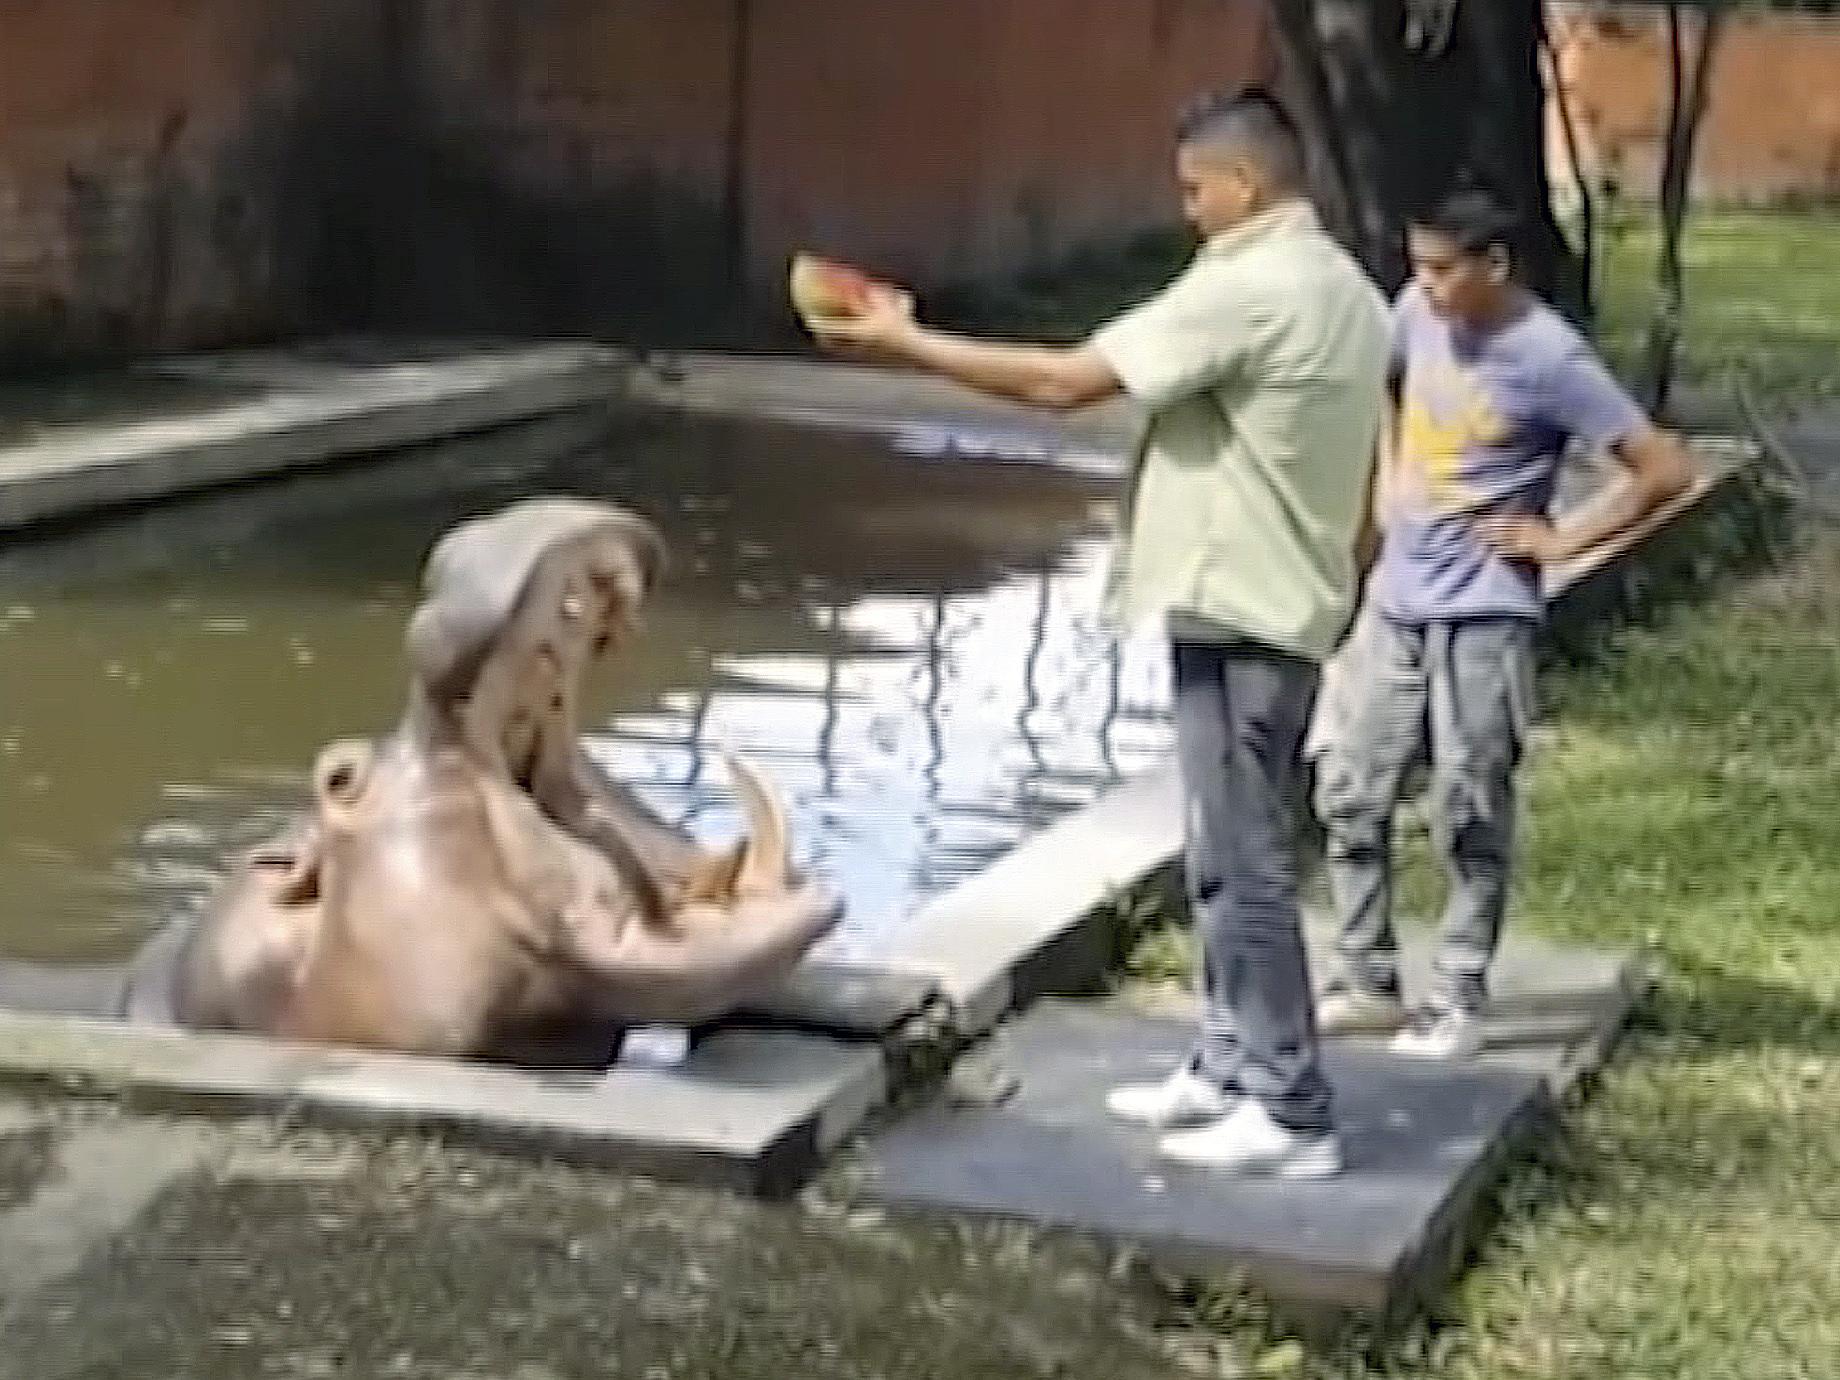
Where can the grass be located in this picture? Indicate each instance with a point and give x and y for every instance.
(1762, 296)
(1688, 800)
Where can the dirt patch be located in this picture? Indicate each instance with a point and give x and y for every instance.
(25, 1159)
(417, 1261)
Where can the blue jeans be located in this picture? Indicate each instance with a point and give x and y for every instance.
(1240, 712)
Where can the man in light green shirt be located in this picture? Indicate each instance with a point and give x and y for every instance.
(1263, 369)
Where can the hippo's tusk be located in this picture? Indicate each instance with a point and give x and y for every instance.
(714, 877)
(766, 863)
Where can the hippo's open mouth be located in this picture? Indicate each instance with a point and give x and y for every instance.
(476, 872)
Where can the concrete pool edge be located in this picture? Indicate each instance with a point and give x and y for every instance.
(1035, 922)
(299, 415)
(297, 420)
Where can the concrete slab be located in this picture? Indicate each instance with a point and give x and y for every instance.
(1028, 924)
(750, 1109)
(297, 412)
(1554, 1009)
(1423, 1141)
(1420, 1143)
(1597, 481)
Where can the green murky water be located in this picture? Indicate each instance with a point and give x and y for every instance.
(907, 641)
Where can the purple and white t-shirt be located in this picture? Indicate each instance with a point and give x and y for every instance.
(1483, 419)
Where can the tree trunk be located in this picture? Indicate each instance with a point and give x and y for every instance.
(1340, 121)
(1688, 95)
(1586, 248)
(1399, 98)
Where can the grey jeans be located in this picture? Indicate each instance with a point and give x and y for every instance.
(1240, 713)
(1465, 689)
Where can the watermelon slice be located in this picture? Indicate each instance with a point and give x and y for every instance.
(826, 289)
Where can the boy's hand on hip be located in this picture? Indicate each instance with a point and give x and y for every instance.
(1523, 537)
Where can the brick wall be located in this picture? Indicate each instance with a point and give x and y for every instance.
(966, 137)
(572, 164)
(1772, 127)
(143, 197)
(185, 173)
(614, 156)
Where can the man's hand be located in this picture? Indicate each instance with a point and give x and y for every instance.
(1524, 537)
(884, 326)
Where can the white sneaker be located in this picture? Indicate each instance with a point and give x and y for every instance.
(1248, 1141)
(1342, 1008)
(1434, 1034)
(1182, 1099)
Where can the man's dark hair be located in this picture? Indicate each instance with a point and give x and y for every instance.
(1250, 122)
(1474, 220)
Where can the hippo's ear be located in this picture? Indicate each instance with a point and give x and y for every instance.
(289, 865)
(341, 776)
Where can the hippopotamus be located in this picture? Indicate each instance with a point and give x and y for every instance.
(474, 877)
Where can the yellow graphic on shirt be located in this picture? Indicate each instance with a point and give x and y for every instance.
(1445, 415)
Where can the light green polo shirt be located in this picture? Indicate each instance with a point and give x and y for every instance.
(1263, 367)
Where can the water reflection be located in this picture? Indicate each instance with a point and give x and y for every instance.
(906, 640)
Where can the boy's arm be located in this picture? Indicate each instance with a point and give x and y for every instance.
(1659, 470)
(1380, 484)
(1583, 401)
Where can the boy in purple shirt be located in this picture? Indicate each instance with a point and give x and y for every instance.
(1491, 385)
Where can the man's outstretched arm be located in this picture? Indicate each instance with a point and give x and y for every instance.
(1058, 377)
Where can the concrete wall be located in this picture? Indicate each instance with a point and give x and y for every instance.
(180, 173)
(1772, 128)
